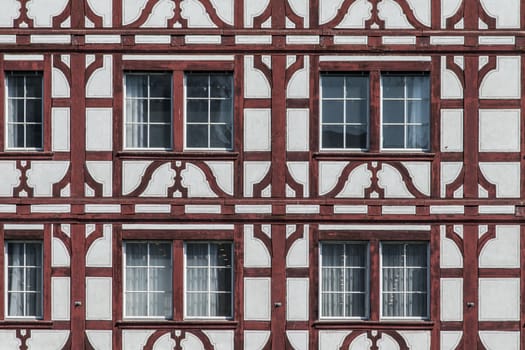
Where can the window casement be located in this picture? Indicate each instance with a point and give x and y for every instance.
(375, 107)
(24, 279)
(24, 110)
(348, 291)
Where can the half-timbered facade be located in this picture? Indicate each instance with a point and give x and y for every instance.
(254, 175)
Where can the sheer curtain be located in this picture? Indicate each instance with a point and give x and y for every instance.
(136, 110)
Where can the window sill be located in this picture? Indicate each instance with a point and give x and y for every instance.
(376, 156)
(169, 324)
(398, 324)
(26, 155)
(25, 323)
(211, 155)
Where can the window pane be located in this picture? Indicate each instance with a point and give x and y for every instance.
(160, 304)
(197, 85)
(356, 136)
(160, 136)
(16, 279)
(355, 280)
(332, 255)
(220, 304)
(393, 111)
(137, 135)
(417, 279)
(355, 305)
(197, 304)
(34, 86)
(160, 85)
(160, 254)
(220, 136)
(136, 110)
(393, 305)
(136, 85)
(221, 85)
(418, 86)
(136, 304)
(33, 279)
(33, 254)
(333, 112)
(418, 111)
(197, 135)
(220, 280)
(221, 111)
(136, 254)
(220, 254)
(392, 254)
(417, 136)
(197, 111)
(34, 135)
(197, 254)
(333, 136)
(393, 86)
(15, 304)
(197, 279)
(393, 136)
(332, 86)
(15, 255)
(357, 111)
(137, 279)
(333, 280)
(332, 304)
(32, 304)
(393, 279)
(160, 111)
(16, 135)
(416, 305)
(15, 85)
(356, 255)
(16, 110)
(160, 279)
(357, 87)
(416, 255)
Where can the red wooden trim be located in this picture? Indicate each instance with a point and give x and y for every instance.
(178, 280)
(99, 272)
(392, 235)
(343, 66)
(78, 285)
(26, 65)
(499, 273)
(434, 287)
(238, 283)
(99, 325)
(297, 272)
(178, 155)
(257, 272)
(376, 325)
(178, 112)
(24, 234)
(167, 324)
(374, 129)
(374, 283)
(177, 65)
(238, 122)
(257, 103)
(46, 295)
(2, 109)
(499, 326)
(186, 235)
(2, 268)
(470, 285)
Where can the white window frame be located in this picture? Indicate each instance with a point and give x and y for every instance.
(209, 123)
(345, 75)
(427, 316)
(366, 316)
(148, 123)
(6, 279)
(124, 287)
(208, 317)
(24, 74)
(405, 123)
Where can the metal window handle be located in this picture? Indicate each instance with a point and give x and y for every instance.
(470, 304)
(278, 304)
(78, 303)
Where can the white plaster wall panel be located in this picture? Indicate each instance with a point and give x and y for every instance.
(358, 180)
(504, 81)
(252, 9)
(499, 299)
(329, 173)
(357, 15)
(298, 253)
(196, 14)
(451, 305)
(99, 129)
(422, 10)
(299, 84)
(47, 339)
(449, 172)
(300, 172)
(255, 83)
(165, 342)
(496, 40)
(506, 177)
(100, 83)
(161, 179)
(257, 299)
(297, 129)
(507, 240)
(131, 10)
(10, 11)
(496, 340)
(132, 172)
(447, 40)
(450, 84)
(202, 209)
(60, 299)
(254, 172)
(332, 340)
(194, 179)
(102, 172)
(255, 340)
(297, 293)
(43, 11)
(162, 11)
(100, 340)
(49, 39)
(9, 208)
(60, 129)
(9, 340)
(328, 9)
(102, 8)
(99, 253)
(300, 8)
(10, 178)
(392, 182)
(43, 174)
(202, 39)
(448, 9)
(499, 130)
(221, 340)
(393, 15)
(257, 129)
(420, 174)
(224, 173)
(59, 84)
(152, 39)
(450, 255)
(399, 40)
(450, 340)
(98, 298)
(102, 39)
(298, 339)
(451, 130)
(135, 339)
(224, 10)
(507, 13)
(59, 253)
(255, 252)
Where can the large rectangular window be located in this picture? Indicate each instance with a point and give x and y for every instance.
(148, 106)
(24, 110)
(24, 279)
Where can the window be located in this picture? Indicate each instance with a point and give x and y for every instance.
(351, 119)
(148, 273)
(24, 110)
(346, 285)
(404, 271)
(148, 105)
(209, 110)
(209, 280)
(24, 279)
(344, 280)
